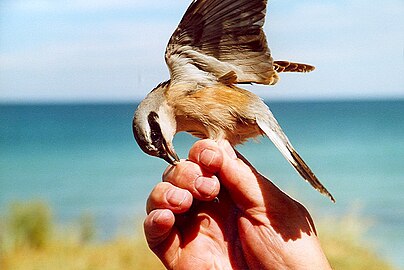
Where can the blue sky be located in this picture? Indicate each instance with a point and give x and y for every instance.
(111, 50)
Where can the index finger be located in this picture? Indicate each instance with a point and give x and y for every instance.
(188, 175)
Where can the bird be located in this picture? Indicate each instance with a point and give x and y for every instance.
(217, 46)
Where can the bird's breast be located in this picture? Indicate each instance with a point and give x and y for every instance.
(215, 112)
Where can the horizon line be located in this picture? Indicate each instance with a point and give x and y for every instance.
(138, 100)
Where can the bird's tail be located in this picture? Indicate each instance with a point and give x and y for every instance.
(286, 66)
(274, 132)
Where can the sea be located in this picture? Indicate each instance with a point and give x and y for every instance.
(82, 158)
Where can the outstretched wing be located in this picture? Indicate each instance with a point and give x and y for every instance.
(221, 40)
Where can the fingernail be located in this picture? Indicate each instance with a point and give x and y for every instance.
(205, 186)
(167, 173)
(160, 215)
(176, 196)
(156, 217)
(207, 156)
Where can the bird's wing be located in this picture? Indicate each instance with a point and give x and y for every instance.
(221, 40)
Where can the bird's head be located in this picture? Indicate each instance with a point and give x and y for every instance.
(154, 125)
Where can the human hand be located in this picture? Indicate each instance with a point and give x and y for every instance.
(252, 225)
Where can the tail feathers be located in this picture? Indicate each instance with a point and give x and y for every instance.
(276, 135)
(286, 66)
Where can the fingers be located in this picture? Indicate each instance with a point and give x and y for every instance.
(208, 154)
(161, 235)
(182, 183)
(167, 196)
(245, 185)
(158, 225)
(187, 175)
(164, 202)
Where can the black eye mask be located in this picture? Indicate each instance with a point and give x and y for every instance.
(155, 130)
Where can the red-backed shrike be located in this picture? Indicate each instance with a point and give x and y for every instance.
(217, 45)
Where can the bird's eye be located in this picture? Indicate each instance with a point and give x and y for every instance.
(155, 130)
(154, 135)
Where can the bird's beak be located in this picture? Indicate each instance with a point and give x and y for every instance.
(169, 154)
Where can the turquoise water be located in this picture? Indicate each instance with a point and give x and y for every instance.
(83, 158)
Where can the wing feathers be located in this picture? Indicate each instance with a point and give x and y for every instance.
(227, 30)
(216, 37)
(274, 132)
(304, 170)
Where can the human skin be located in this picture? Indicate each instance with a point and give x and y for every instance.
(215, 211)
